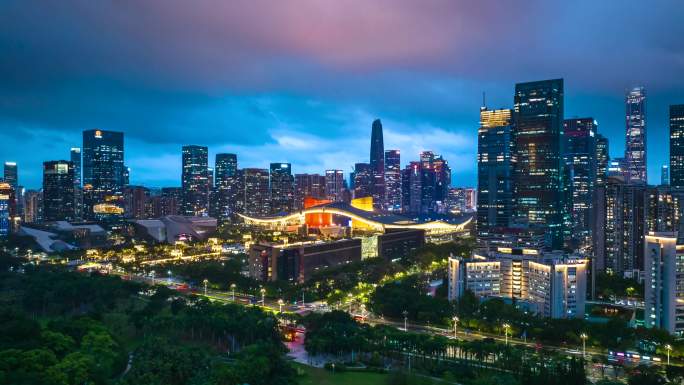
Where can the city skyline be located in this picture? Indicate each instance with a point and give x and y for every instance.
(310, 103)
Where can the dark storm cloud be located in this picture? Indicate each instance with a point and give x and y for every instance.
(266, 77)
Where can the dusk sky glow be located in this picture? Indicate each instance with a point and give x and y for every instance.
(302, 81)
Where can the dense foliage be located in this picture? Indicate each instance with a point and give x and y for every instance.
(58, 327)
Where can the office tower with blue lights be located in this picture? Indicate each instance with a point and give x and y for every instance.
(363, 180)
(102, 168)
(665, 175)
(6, 208)
(579, 156)
(494, 170)
(195, 181)
(377, 165)
(11, 174)
(58, 191)
(538, 173)
(677, 146)
(281, 188)
(225, 197)
(393, 180)
(412, 188)
(635, 136)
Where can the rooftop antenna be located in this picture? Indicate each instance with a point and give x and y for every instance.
(484, 103)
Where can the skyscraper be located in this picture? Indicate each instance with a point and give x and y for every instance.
(412, 188)
(226, 190)
(538, 118)
(580, 162)
(602, 159)
(334, 185)
(33, 208)
(377, 165)
(308, 185)
(665, 175)
(58, 190)
(256, 192)
(6, 202)
(393, 180)
(75, 157)
(363, 181)
(11, 175)
(677, 146)
(635, 137)
(195, 181)
(103, 167)
(494, 170)
(281, 188)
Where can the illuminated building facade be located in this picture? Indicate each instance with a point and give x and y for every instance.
(136, 202)
(412, 188)
(393, 180)
(195, 181)
(256, 192)
(226, 191)
(6, 203)
(308, 185)
(363, 180)
(538, 187)
(549, 284)
(664, 282)
(665, 175)
(602, 159)
(33, 207)
(334, 185)
(103, 167)
(11, 175)
(494, 170)
(635, 136)
(677, 146)
(58, 191)
(662, 209)
(377, 165)
(281, 188)
(580, 163)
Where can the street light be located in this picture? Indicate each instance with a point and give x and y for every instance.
(168, 275)
(280, 304)
(405, 313)
(206, 282)
(506, 327)
(232, 287)
(584, 337)
(455, 319)
(668, 347)
(263, 296)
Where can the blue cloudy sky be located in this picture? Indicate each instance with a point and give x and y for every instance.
(301, 81)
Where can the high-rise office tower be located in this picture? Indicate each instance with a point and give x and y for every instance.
(623, 217)
(579, 156)
(377, 165)
(602, 159)
(126, 175)
(308, 185)
(442, 179)
(256, 192)
(195, 181)
(494, 170)
(428, 188)
(282, 188)
(538, 187)
(33, 208)
(11, 175)
(75, 157)
(393, 180)
(635, 136)
(363, 180)
(172, 200)
(102, 167)
(58, 190)
(136, 202)
(412, 188)
(334, 185)
(663, 297)
(677, 146)
(226, 186)
(665, 175)
(618, 167)
(662, 207)
(6, 203)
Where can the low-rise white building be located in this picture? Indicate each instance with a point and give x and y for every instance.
(550, 284)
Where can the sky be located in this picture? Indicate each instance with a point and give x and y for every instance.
(301, 81)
